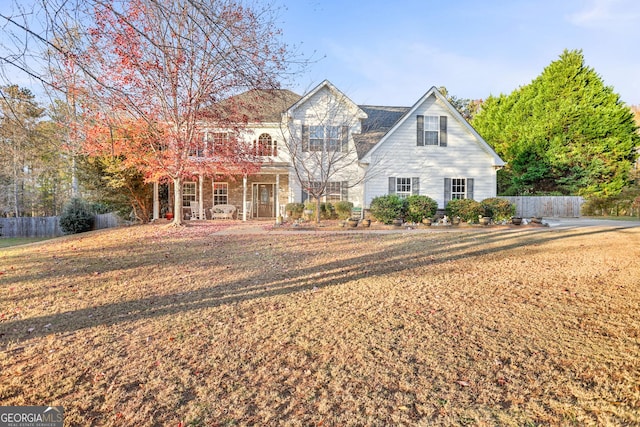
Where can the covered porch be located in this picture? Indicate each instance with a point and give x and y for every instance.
(259, 196)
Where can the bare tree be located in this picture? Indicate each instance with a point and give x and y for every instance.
(319, 139)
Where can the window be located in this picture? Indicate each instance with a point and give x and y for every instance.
(188, 193)
(217, 143)
(321, 138)
(316, 138)
(334, 191)
(220, 193)
(209, 144)
(458, 188)
(198, 147)
(332, 138)
(265, 146)
(404, 187)
(432, 130)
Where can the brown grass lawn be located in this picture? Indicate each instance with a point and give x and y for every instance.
(154, 326)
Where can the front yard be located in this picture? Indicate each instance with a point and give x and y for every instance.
(150, 325)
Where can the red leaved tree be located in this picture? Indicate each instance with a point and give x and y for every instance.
(153, 70)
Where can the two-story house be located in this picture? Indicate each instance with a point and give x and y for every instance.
(355, 152)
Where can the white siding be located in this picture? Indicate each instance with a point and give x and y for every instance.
(277, 134)
(463, 157)
(325, 107)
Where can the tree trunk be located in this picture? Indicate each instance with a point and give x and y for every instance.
(15, 198)
(177, 201)
(317, 210)
(75, 187)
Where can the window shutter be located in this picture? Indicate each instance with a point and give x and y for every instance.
(443, 131)
(275, 148)
(392, 185)
(344, 190)
(345, 139)
(447, 190)
(420, 127)
(305, 137)
(415, 185)
(469, 188)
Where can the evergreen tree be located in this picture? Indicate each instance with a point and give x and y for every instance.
(564, 133)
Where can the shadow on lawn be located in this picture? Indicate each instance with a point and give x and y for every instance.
(270, 283)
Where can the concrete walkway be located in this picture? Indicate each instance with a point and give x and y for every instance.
(590, 222)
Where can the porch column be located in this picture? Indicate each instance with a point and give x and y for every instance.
(244, 197)
(200, 197)
(156, 201)
(277, 195)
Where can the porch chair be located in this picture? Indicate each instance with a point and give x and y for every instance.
(195, 210)
(247, 207)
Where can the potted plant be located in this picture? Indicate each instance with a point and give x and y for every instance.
(365, 222)
(352, 222)
(294, 210)
(426, 221)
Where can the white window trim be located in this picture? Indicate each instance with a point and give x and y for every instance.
(189, 194)
(454, 194)
(431, 127)
(329, 141)
(213, 190)
(404, 194)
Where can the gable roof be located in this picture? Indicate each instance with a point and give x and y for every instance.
(371, 136)
(328, 85)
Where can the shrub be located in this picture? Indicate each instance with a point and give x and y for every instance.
(498, 209)
(343, 209)
(326, 211)
(76, 217)
(387, 208)
(420, 207)
(294, 210)
(467, 209)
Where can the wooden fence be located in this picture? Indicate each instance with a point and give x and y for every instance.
(547, 206)
(48, 226)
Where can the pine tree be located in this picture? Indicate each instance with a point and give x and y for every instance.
(564, 133)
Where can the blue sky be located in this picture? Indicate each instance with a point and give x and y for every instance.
(392, 52)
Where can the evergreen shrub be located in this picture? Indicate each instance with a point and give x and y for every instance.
(468, 210)
(77, 217)
(420, 207)
(387, 208)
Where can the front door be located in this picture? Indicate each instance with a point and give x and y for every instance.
(264, 206)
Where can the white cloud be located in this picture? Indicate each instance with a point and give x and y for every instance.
(612, 15)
